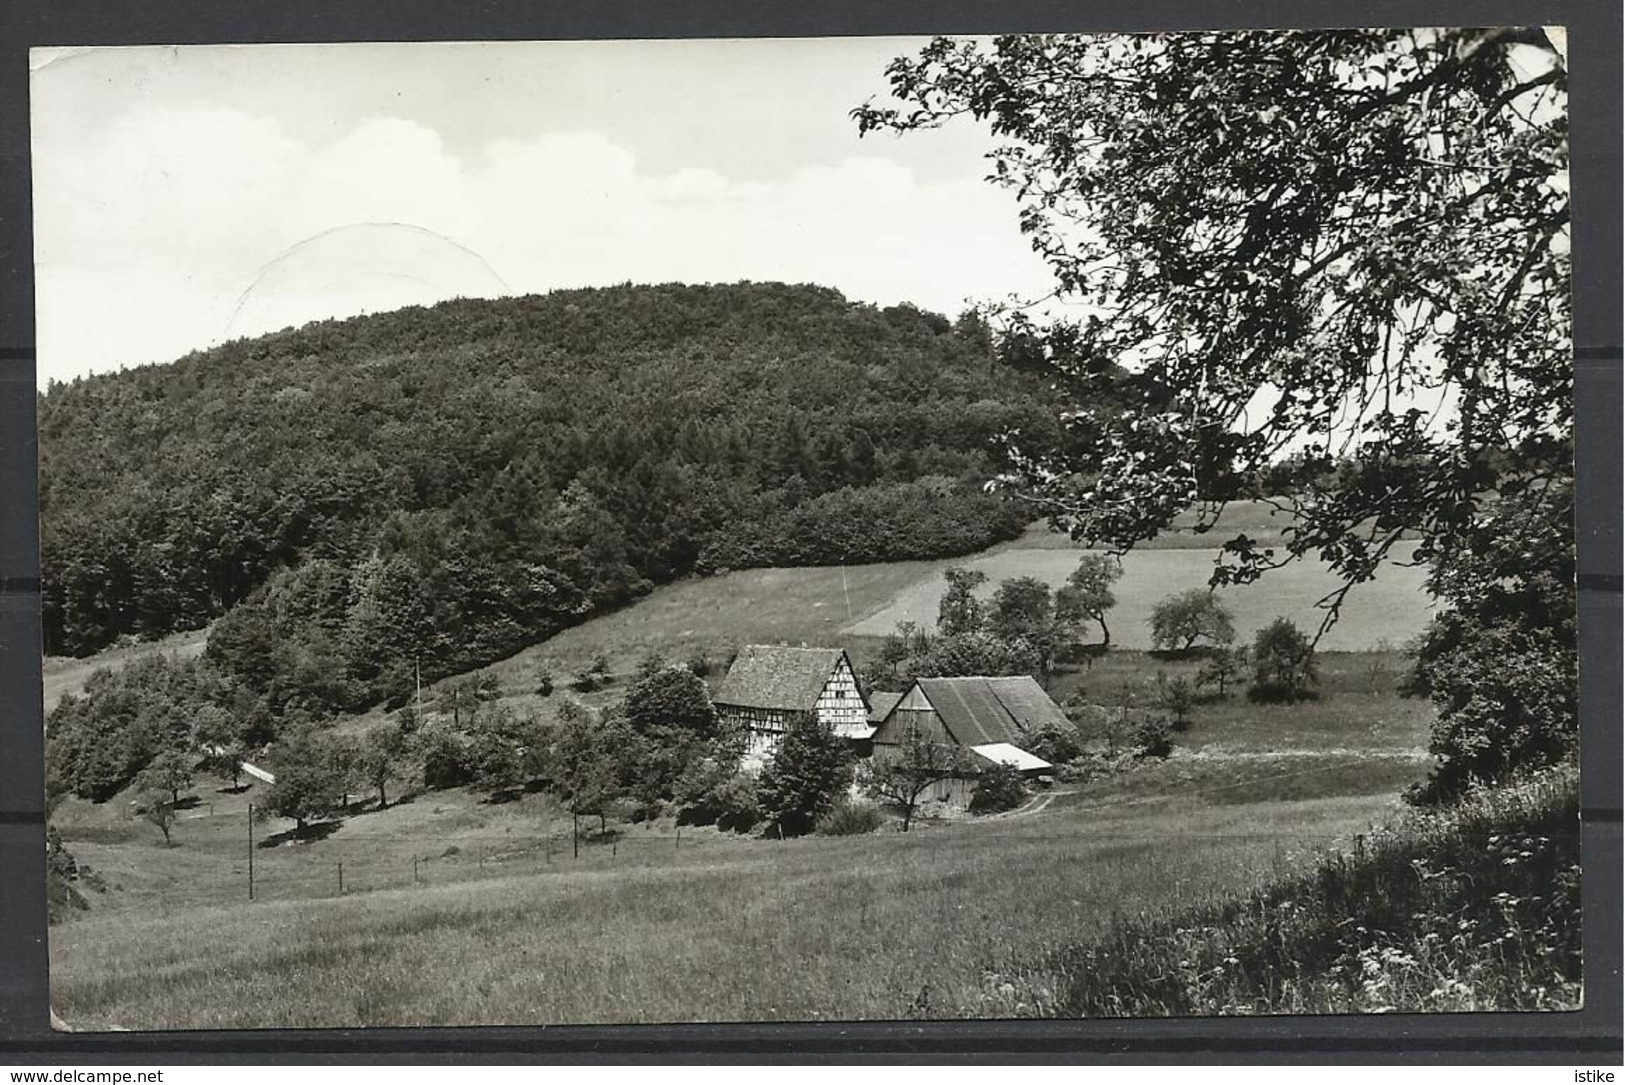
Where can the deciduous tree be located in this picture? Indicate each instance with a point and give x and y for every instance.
(808, 772)
(959, 611)
(1182, 619)
(1092, 584)
(1283, 662)
(157, 809)
(901, 776)
(1299, 249)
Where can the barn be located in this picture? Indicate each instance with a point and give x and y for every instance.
(769, 685)
(991, 717)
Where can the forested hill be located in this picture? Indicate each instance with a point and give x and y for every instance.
(444, 485)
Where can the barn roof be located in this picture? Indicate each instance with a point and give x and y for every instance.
(978, 711)
(1027, 702)
(881, 703)
(773, 676)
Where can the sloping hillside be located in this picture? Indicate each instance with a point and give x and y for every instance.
(439, 487)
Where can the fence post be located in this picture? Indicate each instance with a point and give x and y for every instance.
(414, 870)
(250, 851)
(341, 878)
(614, 842)
(679, 846)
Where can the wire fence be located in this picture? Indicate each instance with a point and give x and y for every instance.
(284, 866)
(277, 863)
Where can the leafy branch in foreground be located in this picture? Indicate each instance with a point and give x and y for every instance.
(1326, 269)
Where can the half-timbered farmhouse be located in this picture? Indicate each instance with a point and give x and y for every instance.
(991, 717)
(769, 685)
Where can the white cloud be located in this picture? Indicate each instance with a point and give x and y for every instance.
(150, 227)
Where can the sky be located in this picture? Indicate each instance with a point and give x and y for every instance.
(186, 196)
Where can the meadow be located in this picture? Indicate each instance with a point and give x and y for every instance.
(714, 928)
(449, 908)
(458, 910)
(1390, 609)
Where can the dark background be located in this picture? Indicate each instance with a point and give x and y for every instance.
(1592, 1034)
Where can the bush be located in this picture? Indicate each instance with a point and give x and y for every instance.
(447, 761)
(1177, 698)
(544, 684)
(584, 682)
(1055, 743)
(1283, 663)
(998, 787)
(1180, 620)
(718, 794)
(1153, 738)
(850, 819)
(1507, 700)
(699, 666)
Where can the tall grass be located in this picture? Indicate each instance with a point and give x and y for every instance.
(1473, 908)
(877, 926)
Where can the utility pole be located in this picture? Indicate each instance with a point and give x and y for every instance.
(250, 851)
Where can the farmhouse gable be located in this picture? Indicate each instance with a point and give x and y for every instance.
(769, 685)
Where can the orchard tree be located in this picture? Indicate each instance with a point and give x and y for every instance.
(170, 772)
(1294, 251)
(972, 654)
(156, 809)
(1177, 697)
(1222, 667)
(583, 765)
(1283, 663)
(1091, 589)
(307, 789)
(382, 755)
(899, 777)
(1186, 617)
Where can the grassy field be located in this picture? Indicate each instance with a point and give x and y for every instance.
(1475, 907)
(856, 605)
(722, 928)
(457, 910)
(1388, 610)
(497, 921)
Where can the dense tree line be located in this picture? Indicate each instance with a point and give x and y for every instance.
(427, 490)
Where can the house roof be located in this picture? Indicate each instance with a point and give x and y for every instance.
(1003, 753)
(773, 676)
(881, 703)
(979, 711)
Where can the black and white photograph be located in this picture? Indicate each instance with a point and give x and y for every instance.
(1042, 526)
